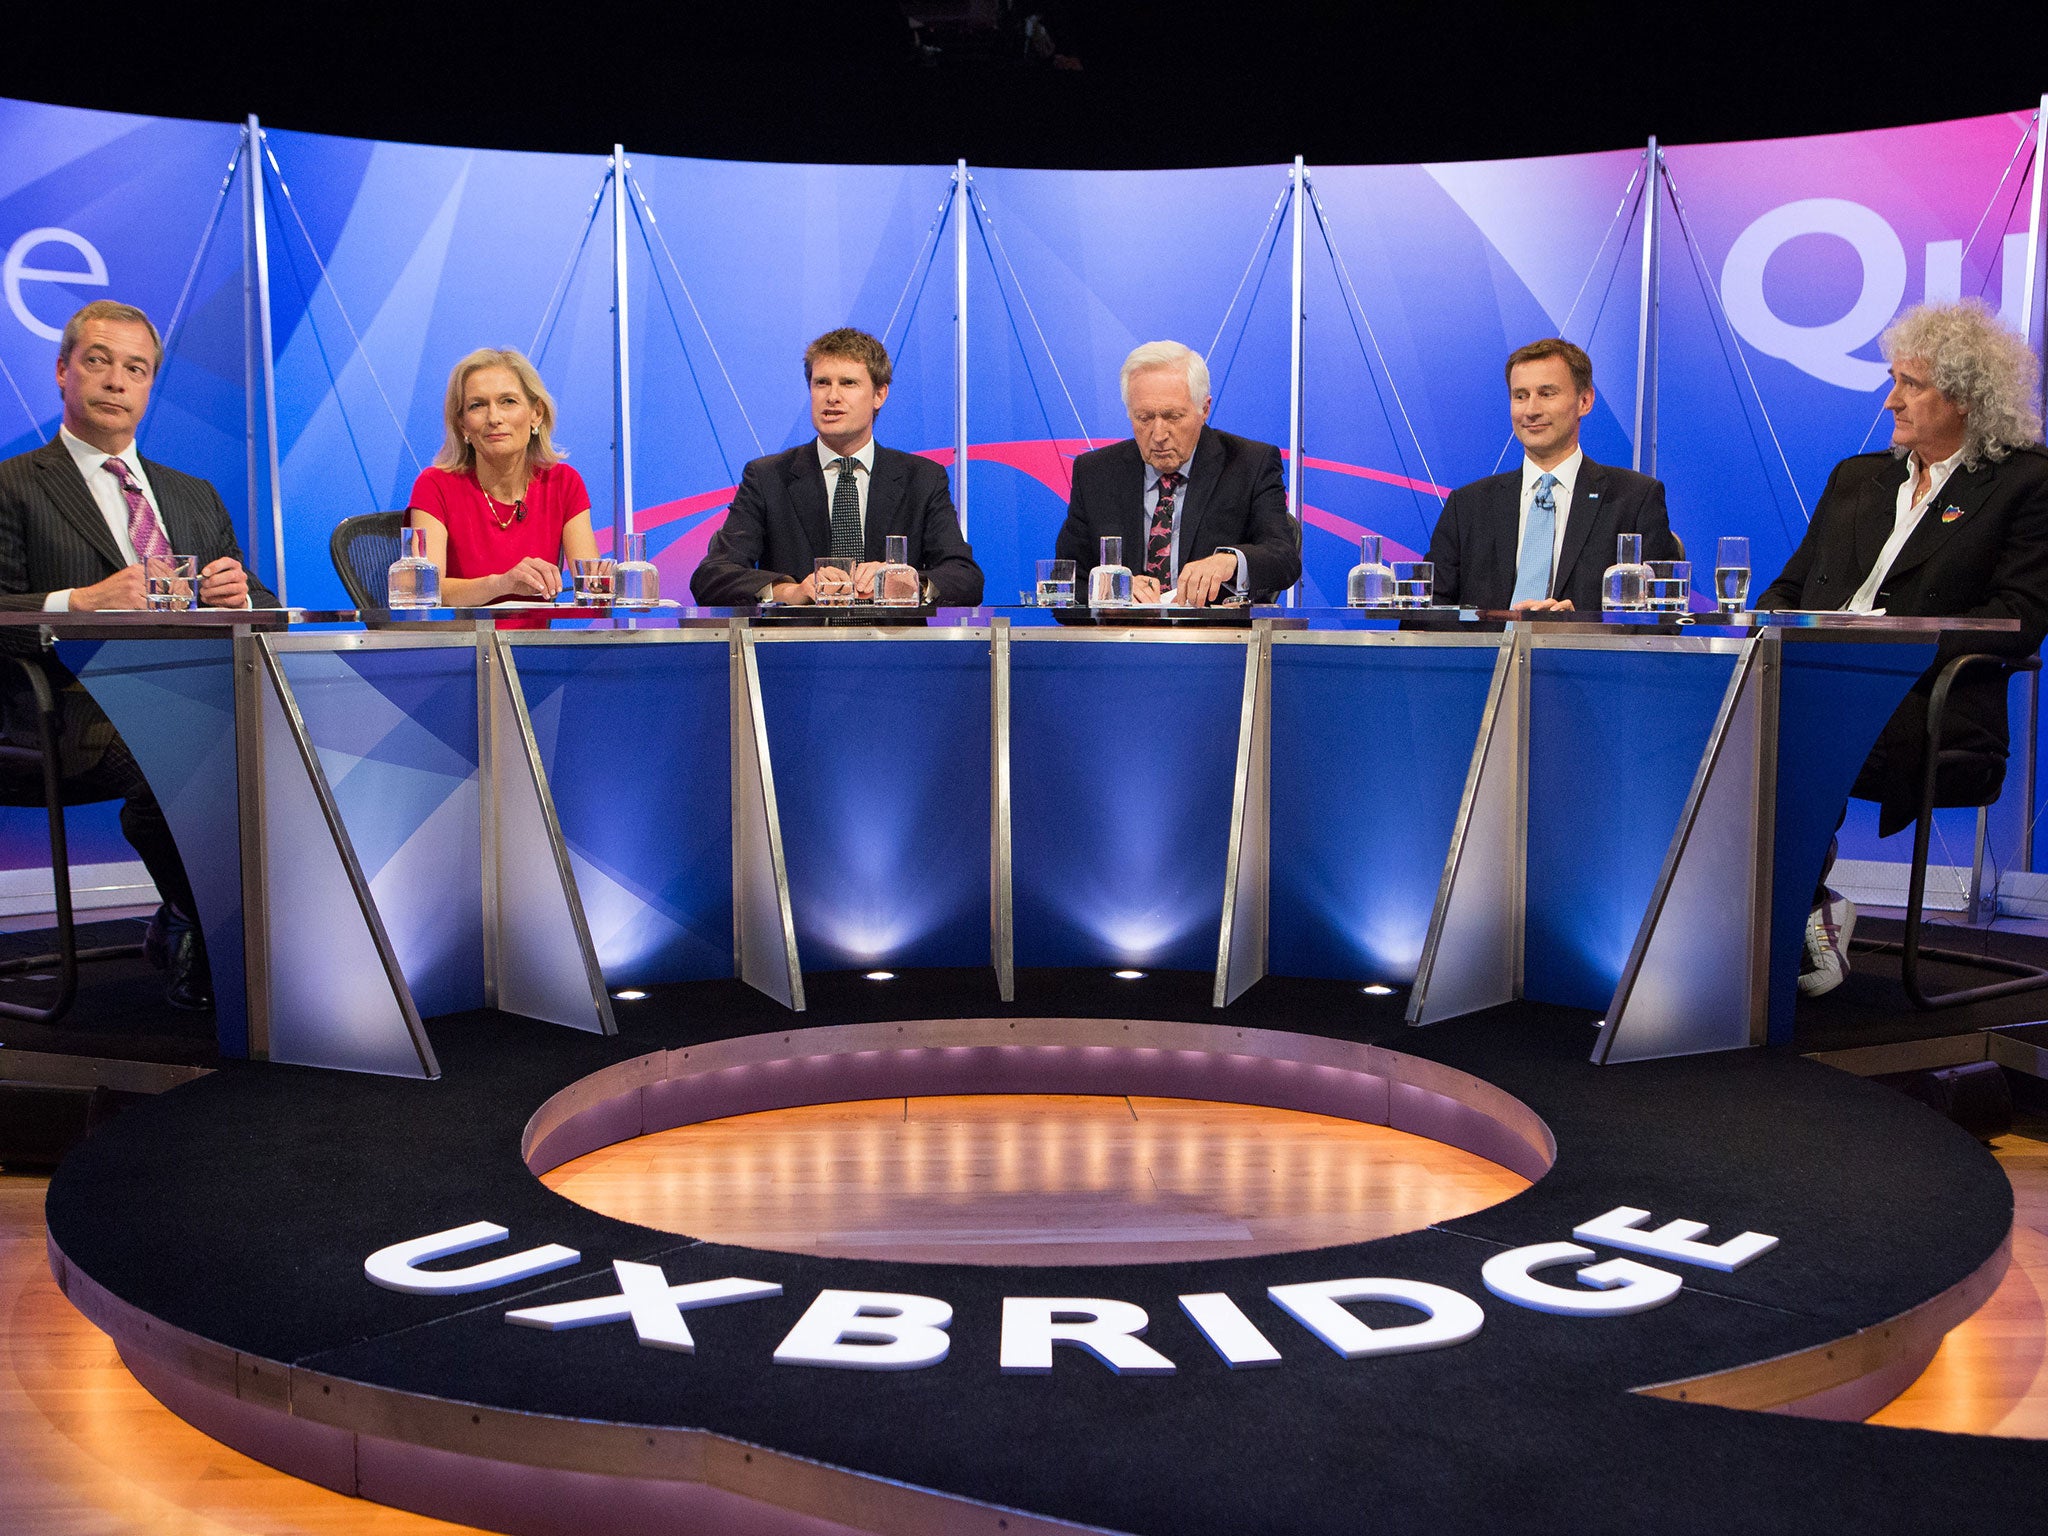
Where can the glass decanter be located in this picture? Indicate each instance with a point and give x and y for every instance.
(1625, 588)
(897, 584)
(635, 581)
(1371, 583)
(413, 581)
(1109, 584)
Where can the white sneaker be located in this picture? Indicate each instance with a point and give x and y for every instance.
(1826, 958)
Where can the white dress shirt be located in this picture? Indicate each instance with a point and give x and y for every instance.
(1560, 495)
(106, 495)
(1906, 514)
(864, 471)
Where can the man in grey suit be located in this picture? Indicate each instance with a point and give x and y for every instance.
(1542, 536)
(77, 518)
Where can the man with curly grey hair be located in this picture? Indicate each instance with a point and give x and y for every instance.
(1951, 522)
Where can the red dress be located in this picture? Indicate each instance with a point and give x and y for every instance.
(477, 543)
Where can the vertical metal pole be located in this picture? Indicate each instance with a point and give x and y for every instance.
(251, 200)
(963, 210)
(622, 360)
(1645, 456)
(1299, 193)
(256, 181)
(2031, 292)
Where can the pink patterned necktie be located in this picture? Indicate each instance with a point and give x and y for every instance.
(1159, 543)
(144, 531)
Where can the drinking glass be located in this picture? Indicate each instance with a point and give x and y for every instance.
(832, 580)
(1055, 583)
(1109, 584)
(1625, 587)
(1370, 584)
(897, 584)
(593, 579)
(171, 582)
(1414, 583)
(1670, 586)
(413, 581)
(1731, 574)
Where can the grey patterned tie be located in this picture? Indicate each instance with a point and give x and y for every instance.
(846, 539)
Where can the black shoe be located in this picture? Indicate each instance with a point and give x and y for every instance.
(188, 986)
(160, 937)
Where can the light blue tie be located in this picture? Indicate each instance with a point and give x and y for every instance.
(1532, 567)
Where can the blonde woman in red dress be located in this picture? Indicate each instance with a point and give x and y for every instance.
(501, 509)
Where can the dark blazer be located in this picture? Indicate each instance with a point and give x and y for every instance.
(779, 523)
(1477, 540)
(1235, 499)
(53, 536)
(1987, 560)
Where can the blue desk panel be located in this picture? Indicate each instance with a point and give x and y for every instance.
(1615, 738)
(1123, 756)
(635, 739)
(1834, 697)
(173, 701)
(1371, 746)
(395, 731)
(881, 756)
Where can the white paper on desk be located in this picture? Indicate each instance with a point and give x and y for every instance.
(1830, 613)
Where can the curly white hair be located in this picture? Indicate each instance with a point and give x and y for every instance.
(1986, 371)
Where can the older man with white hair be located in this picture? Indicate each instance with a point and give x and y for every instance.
(1950, 522)
(1203, 514)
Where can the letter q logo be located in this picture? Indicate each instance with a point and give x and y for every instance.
(1821, 350)
(15, 271)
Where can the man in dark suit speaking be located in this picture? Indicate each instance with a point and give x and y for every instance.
(78, 516)
(840, 494)
(1542, 536)
(1950, 521)
(1202, 513)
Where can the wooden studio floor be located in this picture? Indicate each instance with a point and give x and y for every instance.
(85, 1450)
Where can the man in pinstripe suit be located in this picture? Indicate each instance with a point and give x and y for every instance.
(75, 516)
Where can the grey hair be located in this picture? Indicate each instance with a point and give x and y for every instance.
(1165, 354)
(1986, 371)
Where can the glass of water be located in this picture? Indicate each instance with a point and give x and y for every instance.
(832, 580)
(1055, 583)
(1731, 575)
(1414, 583)
(1670, 586)
(1109, 584)
(1370, 584)
(594, 579)
(171, 582)
(636, 582)
(1625, 586)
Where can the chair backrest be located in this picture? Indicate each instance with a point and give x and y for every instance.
(362, 550)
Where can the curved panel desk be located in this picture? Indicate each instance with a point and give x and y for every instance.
(395, 819)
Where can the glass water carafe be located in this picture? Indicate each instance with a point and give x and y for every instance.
(897, 584)
(1371, 583)
(1625, 588)
(635, 582)
(413, 580)
(1109, 584)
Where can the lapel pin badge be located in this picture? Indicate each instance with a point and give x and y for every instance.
(1951, 512)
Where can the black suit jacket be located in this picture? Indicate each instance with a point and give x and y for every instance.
(1236, 498)
(1477, 540)
(779, 523)
(53, 536)
(1980, 550)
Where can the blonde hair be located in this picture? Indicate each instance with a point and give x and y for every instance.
(456, 454)
(1985, 370)
(107, 309)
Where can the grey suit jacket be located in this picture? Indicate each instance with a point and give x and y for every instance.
(52, 535)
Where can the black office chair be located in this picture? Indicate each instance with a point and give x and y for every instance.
(362, 549)
(31, 776)
(1954, 780)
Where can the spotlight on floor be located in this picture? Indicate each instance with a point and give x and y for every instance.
(881, 975)
(1377, 989)
(629, 995)
(1130, 975)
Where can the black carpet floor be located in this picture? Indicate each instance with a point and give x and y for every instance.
(242, 1206)
(1871, 1008)
(119, 1012)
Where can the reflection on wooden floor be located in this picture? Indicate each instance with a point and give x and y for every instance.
(1034, 1179)
(85, 1451)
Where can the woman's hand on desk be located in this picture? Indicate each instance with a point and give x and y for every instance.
(532, 577)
